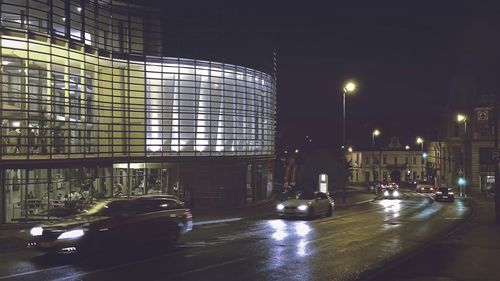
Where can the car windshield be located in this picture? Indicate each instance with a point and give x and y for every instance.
(306, 196)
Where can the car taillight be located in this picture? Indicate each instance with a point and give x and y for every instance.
(187, 214)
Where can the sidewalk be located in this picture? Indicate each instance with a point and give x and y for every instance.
(469, 253)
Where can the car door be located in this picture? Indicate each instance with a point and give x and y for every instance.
(325, 201)
(320, 202)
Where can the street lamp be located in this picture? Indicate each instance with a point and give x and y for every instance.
(375, 133)
(408, 164)
(462, 174)
(349, 87)
(462, 118)
(421, 142)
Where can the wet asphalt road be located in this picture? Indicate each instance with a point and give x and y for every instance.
(353, 244)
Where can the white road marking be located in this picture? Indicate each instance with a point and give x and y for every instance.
(216, 221)
(208, 267)
(37, 271)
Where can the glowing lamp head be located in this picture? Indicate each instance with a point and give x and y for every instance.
(461, 118)
(350, 87)
(420, 140)
(376, 132)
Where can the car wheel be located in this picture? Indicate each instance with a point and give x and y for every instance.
(310, 214)
(172, 233)
(329, 212)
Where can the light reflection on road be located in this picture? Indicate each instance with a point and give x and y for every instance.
(290, 248)
(391, 207)
(292, 230)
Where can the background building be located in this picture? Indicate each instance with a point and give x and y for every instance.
(90, 109)
(474, 94)
(389, 163)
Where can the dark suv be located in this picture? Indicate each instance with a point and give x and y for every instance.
(115, 222)
(444, 193)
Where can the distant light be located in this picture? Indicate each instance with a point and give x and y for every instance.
(407, 147)
(420, 140)
(376, 132)
(349, 149)
(5, 62)
(79, 9)
(296, 150)
(286, 151)
(461, 181)
(424, 155)
(461, 118)
(63, 19)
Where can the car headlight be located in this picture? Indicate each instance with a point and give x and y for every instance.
(386, 193)
(396, 193)
(36, 231)
(302, 207)
(280, 207)
(72, 234)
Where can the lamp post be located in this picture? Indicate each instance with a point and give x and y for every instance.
(407, 148)
(421, 142)
(349, 87)
(375, 133)
(461, 118)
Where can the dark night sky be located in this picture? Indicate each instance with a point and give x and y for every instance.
(402, 53)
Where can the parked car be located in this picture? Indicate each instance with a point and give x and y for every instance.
(307, 204)
(424, 186)
(115, 222)
(444, 193)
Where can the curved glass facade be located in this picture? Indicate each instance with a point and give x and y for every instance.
(82, 83)
(205, 108)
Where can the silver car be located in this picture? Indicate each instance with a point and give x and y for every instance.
(306, 204)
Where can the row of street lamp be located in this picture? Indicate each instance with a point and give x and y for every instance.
(350, 87)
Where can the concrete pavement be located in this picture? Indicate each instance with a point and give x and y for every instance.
(470, 252)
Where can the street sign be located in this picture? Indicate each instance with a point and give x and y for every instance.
(495, 155)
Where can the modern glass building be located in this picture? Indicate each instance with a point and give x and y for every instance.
(90, 109)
